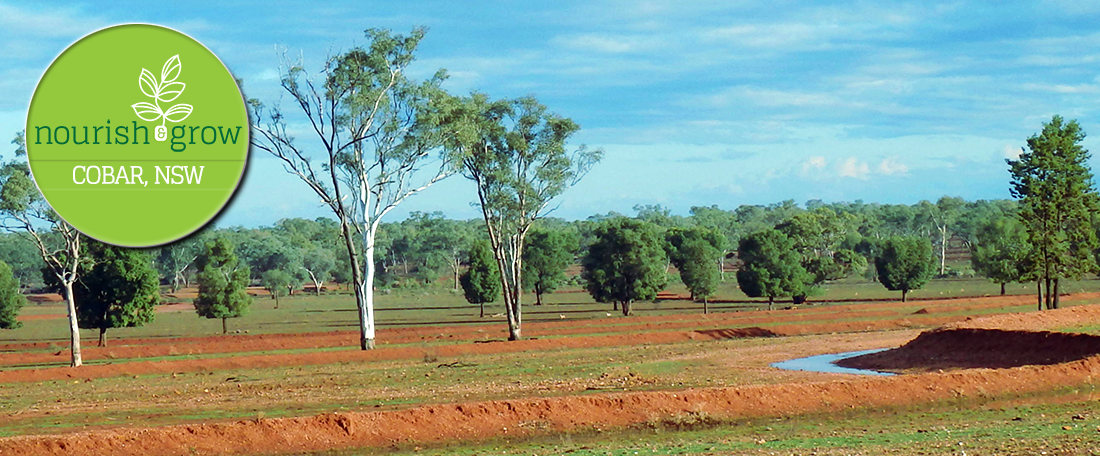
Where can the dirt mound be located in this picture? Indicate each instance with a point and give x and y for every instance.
(1034, 321)
(966, 348)
(524, 417)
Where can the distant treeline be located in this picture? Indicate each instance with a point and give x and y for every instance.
(426, 247)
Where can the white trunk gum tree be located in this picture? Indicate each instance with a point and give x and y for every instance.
(23, 210)
(379, 133)
(514, 151)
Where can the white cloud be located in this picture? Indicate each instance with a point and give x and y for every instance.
(889, 166)
(1011, 152)
(610, 44)
(813, 164)
(853, 167)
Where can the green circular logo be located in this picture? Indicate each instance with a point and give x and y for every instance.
(137, 135)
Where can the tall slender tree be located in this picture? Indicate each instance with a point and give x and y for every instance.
(515, 153)
(23, 210)
(1053, 182)
(380, 138)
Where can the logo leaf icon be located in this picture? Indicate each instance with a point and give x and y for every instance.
(148, 84)
(178, 112)
(171, 70)
(147, 111)
(171, 91)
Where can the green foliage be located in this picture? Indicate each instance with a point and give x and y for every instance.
(905, 264)
(676, 238)
(1054, 184)
(118, 288)
(481, 282)
(515, 152)
(696, 253)
(222, 282)
(771, 266)
(545, 257)
(176, 259)
(698, 268)
(818, 236)
(1001, 250)
(626, 263)
(23, 258)
(11, 300)
(277, 282)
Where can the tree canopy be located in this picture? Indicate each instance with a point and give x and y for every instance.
(119, 288)
(222, 283)
(771, 266)
(626, 263)
(1053, 182)
(905, 264)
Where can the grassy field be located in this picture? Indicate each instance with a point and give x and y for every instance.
(414, 307)
(984, 425)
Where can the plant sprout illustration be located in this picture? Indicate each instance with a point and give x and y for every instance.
(165, 91)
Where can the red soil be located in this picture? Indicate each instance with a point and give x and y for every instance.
(972, 348)
(524, 417)
(997, 341)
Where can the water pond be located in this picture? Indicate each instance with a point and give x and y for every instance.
(825, 363)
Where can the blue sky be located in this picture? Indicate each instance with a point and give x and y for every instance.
(694, 103)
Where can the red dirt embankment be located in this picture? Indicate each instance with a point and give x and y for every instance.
(973, 348)
(998, 341)
(522, 417)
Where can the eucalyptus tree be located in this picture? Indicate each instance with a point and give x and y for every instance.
(23, 210)
(379, 140)
(175, 259)
(23, 258)
(693, 251)
(515, 153)
(442, 242)
(818, 237)
(723, 222)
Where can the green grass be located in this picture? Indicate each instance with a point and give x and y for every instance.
(336, 312)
